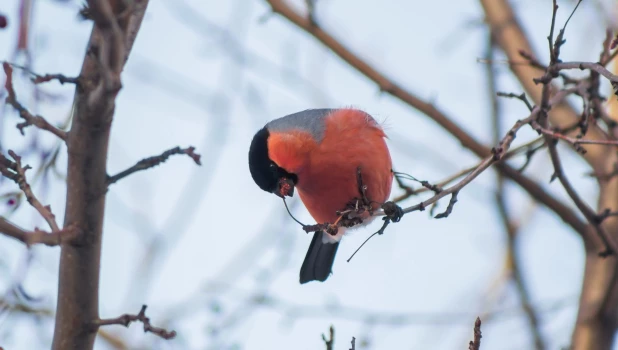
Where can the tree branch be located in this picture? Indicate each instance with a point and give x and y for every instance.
(330, 341)
(476, 343)
(16, 172)
(575, 141)
(29, 119)
(111, 51)
(87, 145)
(126, 319)
(9, 229)
(151, 162)
(50, 239)
(593, 219)
(597, 318)
(409, 192)
(529, 147)
(510, 37)
(554, 48)
(38, 79)
(596, 67)
(498, 154)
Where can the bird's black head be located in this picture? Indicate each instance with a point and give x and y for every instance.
(267, 174)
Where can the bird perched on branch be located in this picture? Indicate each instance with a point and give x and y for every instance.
(321, 153)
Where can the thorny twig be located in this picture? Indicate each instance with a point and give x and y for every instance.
(126, 319)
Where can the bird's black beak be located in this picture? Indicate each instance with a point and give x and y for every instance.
(285, 187)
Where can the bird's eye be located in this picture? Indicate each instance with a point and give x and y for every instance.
(273, 166)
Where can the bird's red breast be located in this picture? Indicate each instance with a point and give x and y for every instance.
(326, 168)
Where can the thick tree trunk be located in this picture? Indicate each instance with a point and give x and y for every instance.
(78, 286)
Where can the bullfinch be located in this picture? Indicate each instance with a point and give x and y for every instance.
(319, 152)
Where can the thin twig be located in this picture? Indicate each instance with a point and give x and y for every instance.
(150, 162)
(610, 246)
(387, 221)
(575, 141)
(449, 208)
(330, 342)
(533, 62)
(126, 319)
(409, 192)
(29, 118)
(521, 97)
(529, 154)
(62, 79)
(587, 65)
(38, 78)
(285, 203)
(476, 343)
(16, 172)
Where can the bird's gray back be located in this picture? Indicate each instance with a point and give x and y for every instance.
(310, 120)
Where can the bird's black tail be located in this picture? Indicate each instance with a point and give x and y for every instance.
(319, 259)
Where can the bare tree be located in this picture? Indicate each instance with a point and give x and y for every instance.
(116, 25)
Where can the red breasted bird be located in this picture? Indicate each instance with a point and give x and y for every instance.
(318, 152)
